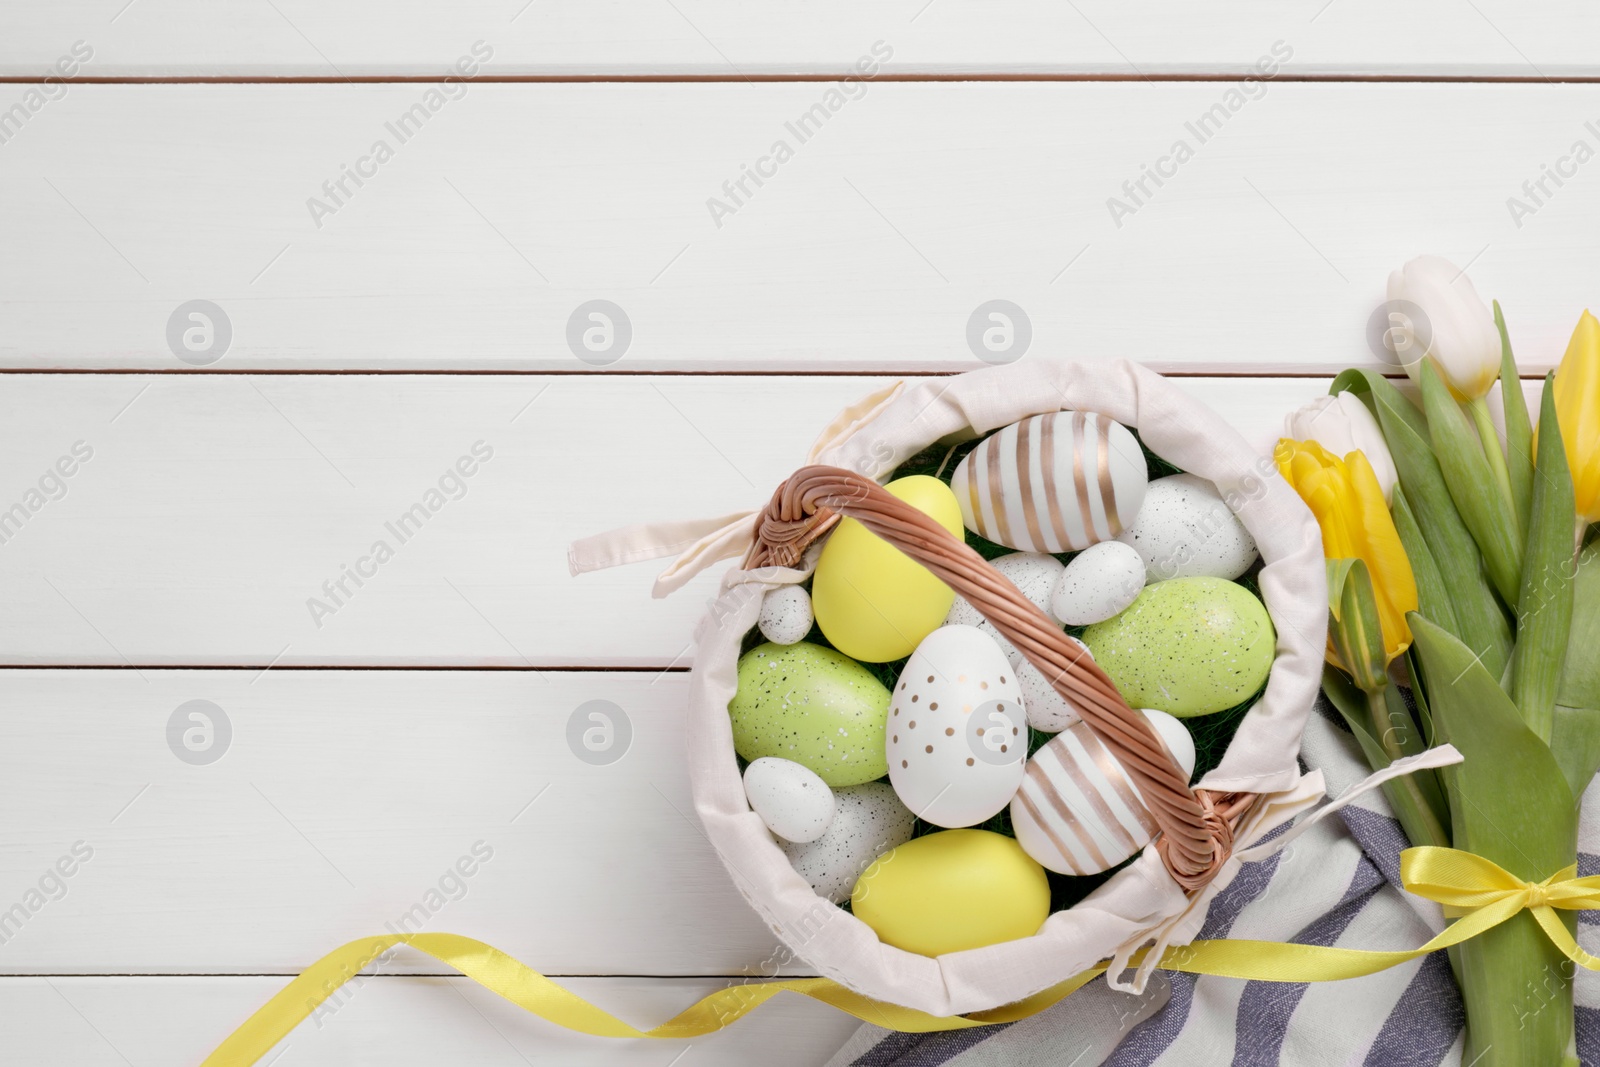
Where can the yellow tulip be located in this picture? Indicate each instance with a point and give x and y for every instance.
(1347, 501)
(1578, 410)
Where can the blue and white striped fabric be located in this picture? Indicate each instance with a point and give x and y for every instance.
(1337, 884)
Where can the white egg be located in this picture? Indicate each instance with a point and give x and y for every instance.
(1100, 582)
(791, 799)
(1185, 529)
(785, 615)
(1056, 482)
(958, 736)
(868, 820)
(1033, 573)
(1047, 710)
(1078, 810)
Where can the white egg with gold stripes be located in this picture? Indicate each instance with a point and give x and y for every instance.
(1078, 810)
(1057, 482)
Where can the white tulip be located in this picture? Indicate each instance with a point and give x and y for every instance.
(1456, 329)
(1342, 424)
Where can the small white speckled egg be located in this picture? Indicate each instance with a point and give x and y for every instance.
(1100, 581)
(785, 615)
(957, 729)
(1047, 709)
(868, 820)
(1033, 573)
(791, 799)
(1186, 530)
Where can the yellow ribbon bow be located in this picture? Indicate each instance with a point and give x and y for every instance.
(1481, 893)
(1486, 894)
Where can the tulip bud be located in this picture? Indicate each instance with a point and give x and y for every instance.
(1577, 397)
(1349, 508)
(1342, 424)
(1456, 331)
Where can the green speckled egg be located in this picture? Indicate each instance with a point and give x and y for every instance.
(815, 706)
(1187, 646)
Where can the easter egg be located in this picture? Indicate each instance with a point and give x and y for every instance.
(951, 891)
(1033, 573)
(1100, 581)
(1188, 646)
(868, 820)
(1057, 482)
(1047, 710)
(795, 804)
(957, 730)
(1185, 529)
(812, 705)
(1079, 811)
(873, 602)
(785, 615)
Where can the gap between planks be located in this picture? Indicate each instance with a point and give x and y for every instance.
(835, 76)
(395, 974)
(471, 667)
(1241, 370)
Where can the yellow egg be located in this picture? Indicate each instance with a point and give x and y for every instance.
(951, 891)
(873, 602)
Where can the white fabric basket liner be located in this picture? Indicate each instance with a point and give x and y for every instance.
(1139, 905)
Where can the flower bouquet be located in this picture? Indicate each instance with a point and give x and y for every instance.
(1458, 562)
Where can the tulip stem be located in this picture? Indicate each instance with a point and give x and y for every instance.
(1416, 814)
(1479, 406)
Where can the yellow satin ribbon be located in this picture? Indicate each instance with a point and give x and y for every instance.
(1482, 892)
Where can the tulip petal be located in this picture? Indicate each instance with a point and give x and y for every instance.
(1345, 497)
(1577, 398)
(1393, 583)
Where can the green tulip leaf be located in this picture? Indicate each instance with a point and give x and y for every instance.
(1355, 630)
(1509, 800)
(1580, 680)
(1519, 431)
(1575, 743)
(1480, 620)
(1509, 803)
(1575, 738)
(1472, 485)
(1417, 799)
(1379, 394)
(1433, 595)
(1544, 608)
(1419, 697)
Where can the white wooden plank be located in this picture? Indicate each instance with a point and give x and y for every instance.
(215, 508)
(165, 38)
(346, 804)
(394, 1021)
(871, 248)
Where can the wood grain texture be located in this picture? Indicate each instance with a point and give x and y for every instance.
(214, 509)
(871, 248)
(167, 38)
(202, 513)
(117, 1021)
(344, 804)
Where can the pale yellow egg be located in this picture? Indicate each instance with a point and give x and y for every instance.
(873, 602)
(951, 891)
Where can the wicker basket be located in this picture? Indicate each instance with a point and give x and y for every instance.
(1162, 895)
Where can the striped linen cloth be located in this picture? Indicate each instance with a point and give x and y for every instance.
(1337, 884)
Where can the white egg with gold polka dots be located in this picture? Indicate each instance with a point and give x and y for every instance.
(958, 733)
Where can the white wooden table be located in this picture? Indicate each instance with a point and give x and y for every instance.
(376, 315)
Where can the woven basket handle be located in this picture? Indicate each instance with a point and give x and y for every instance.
(1196, 827)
